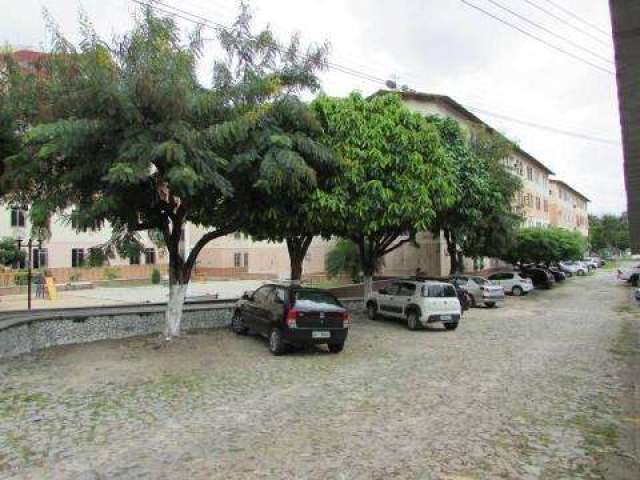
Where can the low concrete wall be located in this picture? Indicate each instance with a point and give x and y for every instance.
(69, 327)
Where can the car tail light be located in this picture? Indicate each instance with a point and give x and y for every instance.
(346, 320)
(292, 316)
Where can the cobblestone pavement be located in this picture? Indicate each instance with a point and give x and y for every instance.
(528, 390)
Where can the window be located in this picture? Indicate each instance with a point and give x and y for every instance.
(538, 203)
(393, 289)
(439, 291)
(407, 289)
(17, 217)
(546, 205)
(529, 173)
(237, 259)
(134, 259)
(246, 260)
(76, 225)
(40, 258)
(150, 256)
(262, 294)
(77, 257)
(313, 298)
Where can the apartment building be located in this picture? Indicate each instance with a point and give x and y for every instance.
(568, 208)
(67, 248)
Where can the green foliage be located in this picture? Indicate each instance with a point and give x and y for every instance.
(609, 233)
(9, 253)
(344, 258)
(75, 276)
(96, 258)
(480, 221)
(155, 276)
(394, 172)
(111, 273)
(134, 140)
(546, 245)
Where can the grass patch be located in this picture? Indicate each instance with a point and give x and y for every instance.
(14, 404)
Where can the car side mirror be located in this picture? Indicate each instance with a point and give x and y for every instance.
(247, 296)
(383, 291)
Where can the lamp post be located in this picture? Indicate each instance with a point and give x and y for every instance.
(29, 264)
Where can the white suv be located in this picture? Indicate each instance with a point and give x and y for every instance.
(418, 302)
(512, 282)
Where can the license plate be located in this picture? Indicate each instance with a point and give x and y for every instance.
(445, 317)
(320, 334)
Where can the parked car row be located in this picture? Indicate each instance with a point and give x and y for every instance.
(293, 314)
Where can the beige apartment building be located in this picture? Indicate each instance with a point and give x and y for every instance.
(568, 207)
(67, 248)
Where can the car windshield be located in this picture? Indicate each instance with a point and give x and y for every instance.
(439, 291)
(315, 299)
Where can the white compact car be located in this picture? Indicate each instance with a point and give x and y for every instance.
(630, 274)
(420, 303)
(512, 283)
(575, 268)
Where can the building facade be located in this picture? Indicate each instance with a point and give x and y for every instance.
(568, 207)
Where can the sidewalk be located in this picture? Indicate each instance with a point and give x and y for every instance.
(109, 296)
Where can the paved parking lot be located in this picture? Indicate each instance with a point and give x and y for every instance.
(534, 389)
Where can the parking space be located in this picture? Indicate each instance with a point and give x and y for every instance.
(506, 395)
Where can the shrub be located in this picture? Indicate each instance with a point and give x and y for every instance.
(74, 277)
(155, 276)
(111, 273)
(21, 278)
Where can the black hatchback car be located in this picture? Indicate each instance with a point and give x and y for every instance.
(292, 315)
(540, 277)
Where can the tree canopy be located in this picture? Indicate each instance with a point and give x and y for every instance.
(609, 232)
(480, 221)
(546, 245)
(395, 173)
(135, 140)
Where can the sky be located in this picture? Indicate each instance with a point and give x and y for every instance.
(435, 46)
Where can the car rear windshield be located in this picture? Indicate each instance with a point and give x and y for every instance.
(438, 291)
(314, 299)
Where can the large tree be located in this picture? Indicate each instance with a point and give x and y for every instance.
(138, 142)
(394, 171)
(609, 232)
(480, 220)
(296, 167)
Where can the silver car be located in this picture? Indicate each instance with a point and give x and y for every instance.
(481, 290)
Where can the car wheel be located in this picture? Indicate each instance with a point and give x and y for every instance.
(473, 301)
(372, 311)
(276, 342)
(517, 291)
(451, 326)
(634, 280)
(335, 347)
(490, 304)
(581, 273)
(412, 320)
(237, 324)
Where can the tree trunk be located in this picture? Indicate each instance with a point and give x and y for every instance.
(367, 286)
(297, 247)
(178, 284)
(177, 294)
(452, 251)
